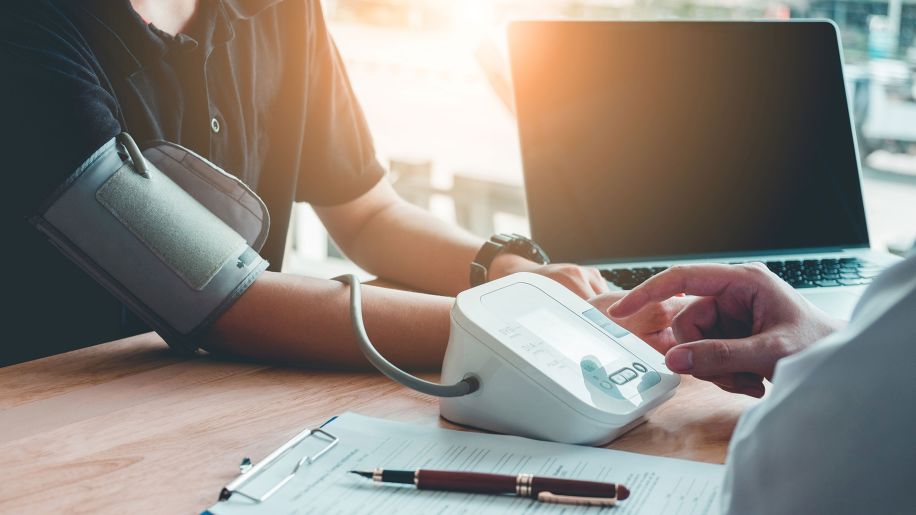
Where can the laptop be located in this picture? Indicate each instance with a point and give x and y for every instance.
(649, 144)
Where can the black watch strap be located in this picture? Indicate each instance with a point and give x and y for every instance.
(503, 243)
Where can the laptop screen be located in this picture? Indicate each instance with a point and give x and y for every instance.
(663, 139)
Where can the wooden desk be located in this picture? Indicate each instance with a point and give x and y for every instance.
(128, 427)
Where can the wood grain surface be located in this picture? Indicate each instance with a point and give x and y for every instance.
(127, 426)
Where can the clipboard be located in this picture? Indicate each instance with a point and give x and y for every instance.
(249, 472)
(309, 473)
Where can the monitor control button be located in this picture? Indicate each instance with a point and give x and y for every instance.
(640, 368)
(589, 365)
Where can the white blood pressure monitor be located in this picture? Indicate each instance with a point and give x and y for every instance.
(528, 357)
(549, 365)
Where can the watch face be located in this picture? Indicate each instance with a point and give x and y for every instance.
(528, 249)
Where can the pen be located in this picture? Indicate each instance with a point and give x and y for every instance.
(544, 489)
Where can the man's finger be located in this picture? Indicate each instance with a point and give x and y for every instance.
(718, 357)
(605, 300)
(599, 285)
(661, 341)
(577, 280)
(652, 324)
(584, 288)
(700, 280)
(666, 309)
(571, 284)
(655, 316)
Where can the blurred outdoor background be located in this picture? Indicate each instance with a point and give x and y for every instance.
(431, 77)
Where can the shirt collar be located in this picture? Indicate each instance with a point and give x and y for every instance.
(122, 34)
(133, 44)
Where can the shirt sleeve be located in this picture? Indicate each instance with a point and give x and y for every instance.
(339, 162)
(55, 114)
(55, 110)
(835, 433)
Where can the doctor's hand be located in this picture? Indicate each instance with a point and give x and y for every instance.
(652, 323)
(584, 282)
(742, 321)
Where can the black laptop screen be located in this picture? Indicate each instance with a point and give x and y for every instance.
(650, 139)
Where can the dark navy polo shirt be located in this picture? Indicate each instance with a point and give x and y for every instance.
(256, 86)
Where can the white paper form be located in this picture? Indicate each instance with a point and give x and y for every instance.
(657, 485)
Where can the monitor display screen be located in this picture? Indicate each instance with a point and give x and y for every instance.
(662, 139)
(568, 334)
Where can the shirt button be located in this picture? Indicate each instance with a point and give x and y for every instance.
(214, 125)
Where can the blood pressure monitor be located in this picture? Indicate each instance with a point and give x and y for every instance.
(549, 365)
(528, 357)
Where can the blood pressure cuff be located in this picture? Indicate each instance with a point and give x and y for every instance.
(167, 232)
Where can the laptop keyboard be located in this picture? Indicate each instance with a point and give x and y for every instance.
(808, 273)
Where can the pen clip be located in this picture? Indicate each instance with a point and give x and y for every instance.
(551, 497)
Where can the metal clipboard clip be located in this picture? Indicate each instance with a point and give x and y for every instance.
(250, 472)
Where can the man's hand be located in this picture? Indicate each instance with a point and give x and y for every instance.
(584, 282)
(742, 322)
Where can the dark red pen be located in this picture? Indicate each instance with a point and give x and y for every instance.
(544, 489)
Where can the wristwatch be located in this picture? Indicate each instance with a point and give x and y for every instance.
(500, 244)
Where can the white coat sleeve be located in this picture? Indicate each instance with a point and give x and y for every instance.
(837, 433)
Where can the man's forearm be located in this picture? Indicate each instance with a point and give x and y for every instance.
(402, 243)
(306, 321)
(410, 246)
